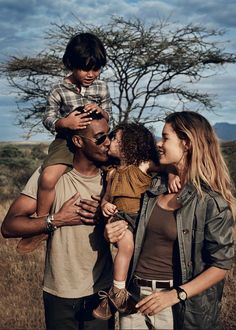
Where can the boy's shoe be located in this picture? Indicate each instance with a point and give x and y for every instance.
(30, 244)
(119, 298)
(103, 311)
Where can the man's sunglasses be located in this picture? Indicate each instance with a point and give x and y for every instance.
(99, 140)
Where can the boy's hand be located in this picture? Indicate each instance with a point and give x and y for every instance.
(108, 209)
(93, 107)
(174, 184)
(75, 120)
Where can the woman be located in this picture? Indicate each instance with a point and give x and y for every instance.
(184, 241)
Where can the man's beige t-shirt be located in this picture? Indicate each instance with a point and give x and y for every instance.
(78, 259)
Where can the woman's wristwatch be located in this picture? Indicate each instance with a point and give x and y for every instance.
(181, 293)
(50, 227)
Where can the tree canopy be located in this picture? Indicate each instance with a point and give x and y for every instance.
(151, 69)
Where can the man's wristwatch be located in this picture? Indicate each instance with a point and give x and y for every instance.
(181, 294)
(50, 227)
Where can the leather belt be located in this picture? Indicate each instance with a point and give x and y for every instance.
(149, 283)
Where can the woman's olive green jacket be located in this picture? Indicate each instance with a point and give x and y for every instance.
(205, 239)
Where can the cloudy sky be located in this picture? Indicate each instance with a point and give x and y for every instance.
(23, 24)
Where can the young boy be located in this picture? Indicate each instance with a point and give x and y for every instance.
(68, 105)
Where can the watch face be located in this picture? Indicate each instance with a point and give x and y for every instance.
(182, 295)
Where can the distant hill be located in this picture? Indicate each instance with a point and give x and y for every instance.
(225, 131)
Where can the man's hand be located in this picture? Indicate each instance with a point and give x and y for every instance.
(114, 231)
(77, 211)
(90, 210)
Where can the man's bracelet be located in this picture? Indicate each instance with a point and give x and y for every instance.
(50, 227)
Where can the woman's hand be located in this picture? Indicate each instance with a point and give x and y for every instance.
(157, 301)
(114, 231)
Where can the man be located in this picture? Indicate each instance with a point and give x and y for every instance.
(78, 259)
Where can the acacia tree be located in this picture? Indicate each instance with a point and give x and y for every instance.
(149, 68)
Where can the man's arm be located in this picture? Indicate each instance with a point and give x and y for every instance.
(17, 222)
(20, 223)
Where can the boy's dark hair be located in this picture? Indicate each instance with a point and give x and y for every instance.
(84, 51)
(137, 143)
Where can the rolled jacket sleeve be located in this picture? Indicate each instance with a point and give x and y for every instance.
(219, 241)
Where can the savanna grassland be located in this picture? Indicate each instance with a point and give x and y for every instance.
(21, 276)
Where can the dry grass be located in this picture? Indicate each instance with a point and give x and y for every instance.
(21, 305)
(228, 314)
(21, 280)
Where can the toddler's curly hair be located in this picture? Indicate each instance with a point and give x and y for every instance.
(137, 143)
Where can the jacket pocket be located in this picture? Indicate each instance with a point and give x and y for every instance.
(202, 311)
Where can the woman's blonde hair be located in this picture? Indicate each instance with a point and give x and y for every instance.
(205, 161)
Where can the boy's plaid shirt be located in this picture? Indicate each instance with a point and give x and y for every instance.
(65, 98)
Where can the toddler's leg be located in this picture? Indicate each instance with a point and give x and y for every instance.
(46, 188)
(123, 257)
(118, 295)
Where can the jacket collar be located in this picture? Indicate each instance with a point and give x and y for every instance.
(159, 186)
(186, 194)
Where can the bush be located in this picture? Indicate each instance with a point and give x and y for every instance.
(10, 151)
(38, 152)
(17, 163)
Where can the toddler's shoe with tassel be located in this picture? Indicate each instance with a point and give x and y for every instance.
(119, 298)
(103, 311)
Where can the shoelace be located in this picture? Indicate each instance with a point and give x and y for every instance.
(102, 294)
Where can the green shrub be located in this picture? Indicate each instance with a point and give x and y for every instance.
(10, 151)
(17, 163)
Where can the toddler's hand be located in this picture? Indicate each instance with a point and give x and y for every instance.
(174, 184)
(108, 209)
